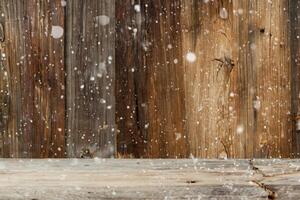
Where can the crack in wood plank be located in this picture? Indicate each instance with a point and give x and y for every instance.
(271, 193)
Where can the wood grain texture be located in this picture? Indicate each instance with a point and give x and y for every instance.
(243, 109)
(233, 101)
(32, 79)
(295, 72)
(90, 78)
(150, 94)
(130, 63)
(129, 79)
(165, 80)
(263, 71)
(149, 179)
(208, 79)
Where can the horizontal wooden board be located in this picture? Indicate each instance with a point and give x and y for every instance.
(149, 179)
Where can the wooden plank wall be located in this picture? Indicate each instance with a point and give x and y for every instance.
(173, 78)
(233, 100)
(41, 116)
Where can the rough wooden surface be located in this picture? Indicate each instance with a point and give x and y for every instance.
(90, 83)
(295, 71)
(208, 81)
(32, 79)
(130, 79)
(149, 179)
(151, 119)
(239, 98)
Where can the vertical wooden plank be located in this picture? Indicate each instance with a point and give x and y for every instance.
(9, 83)
(90, 82)
(263, 77)
(3, 84)
(129, 54)
(207, 58)
(164, 80)
(153, 77)
(294, 8)
(32, 64)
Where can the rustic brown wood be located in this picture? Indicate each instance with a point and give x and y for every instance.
(129, 79)
(150, 79)
(208, 80)
(90, 83)
(238, 90)
(32, 79)
(233, 101)
(149, 179)
(264, 68)
(238, 98)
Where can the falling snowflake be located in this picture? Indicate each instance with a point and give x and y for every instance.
(178, 136)
(191, 57)
(223, 13)
(57, 32)
(63, 3)
(240, 129)
(137, 8)
(256, 104)
(298, 125)
(103, 20)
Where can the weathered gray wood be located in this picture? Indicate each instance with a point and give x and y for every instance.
(295, 72)
(149, 179)
(90, 83)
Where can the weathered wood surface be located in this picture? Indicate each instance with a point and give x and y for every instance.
(238, 98)
(90, 77)
(149, 179)
(130, 80)
(39, 79)
(32, 79)
(151, 119)
(68, 95)
(295, 72)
